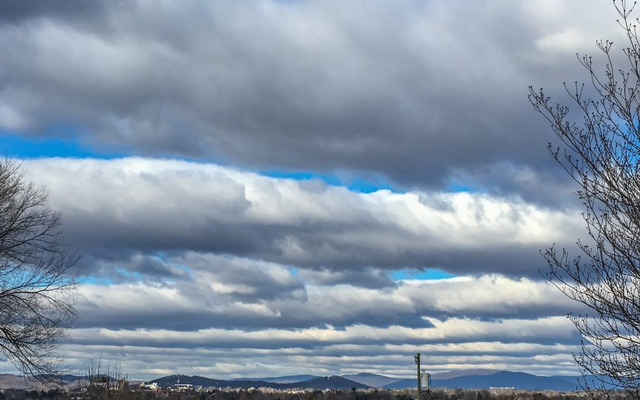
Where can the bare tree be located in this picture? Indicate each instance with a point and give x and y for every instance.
(106, 382)
(36, 306)
(600, 150)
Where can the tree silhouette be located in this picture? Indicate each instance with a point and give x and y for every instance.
(600, 150)
(35, 284)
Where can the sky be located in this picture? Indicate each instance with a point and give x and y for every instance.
(278, 187)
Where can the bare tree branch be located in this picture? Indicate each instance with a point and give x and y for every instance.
(36, 286)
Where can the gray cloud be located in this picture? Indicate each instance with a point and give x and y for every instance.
(252, 312)
(305, 272)
(223, 293)
(20, 11)
(413, 91)
(394, 360)
(121, 208)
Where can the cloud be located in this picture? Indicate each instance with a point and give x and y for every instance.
(120, 208)
(234, 353)
(208, 266)
(253, 298)
(227, 317)
(390, 360)
(411, 91)
(18, 11)
(200, 262)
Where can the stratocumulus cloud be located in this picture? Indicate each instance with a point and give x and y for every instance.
(308, 272)
(274, 187)
(413, 91)
(163, 206)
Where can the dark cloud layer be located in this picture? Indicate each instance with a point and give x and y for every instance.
(413, 91)
(20, 11)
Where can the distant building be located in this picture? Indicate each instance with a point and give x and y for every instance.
(502, 390)
(149, 386)
(183, 386)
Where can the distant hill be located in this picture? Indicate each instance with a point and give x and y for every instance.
(590, 380)
(469, 379)
(372, 380)
(9, 381)
(171, 380)
(487, 379)
(465, 372)
(61, 378)
(280, 379)
(401, 384)
(518, 380)
(330, 382)
(439, 377)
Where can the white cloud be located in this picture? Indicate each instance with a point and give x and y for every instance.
(158, 231)
(169, 205)
(332, 351)
(565, 41)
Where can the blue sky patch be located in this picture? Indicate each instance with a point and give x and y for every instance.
(20, 146)
(458, 187)
(425, 275)
(24, 147)
(354, 184)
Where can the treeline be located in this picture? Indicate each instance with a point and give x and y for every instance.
(385, 394)
(353, 394)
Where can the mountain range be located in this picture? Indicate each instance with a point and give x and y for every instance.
(313, 382)
(469, 379)
(517, 380)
